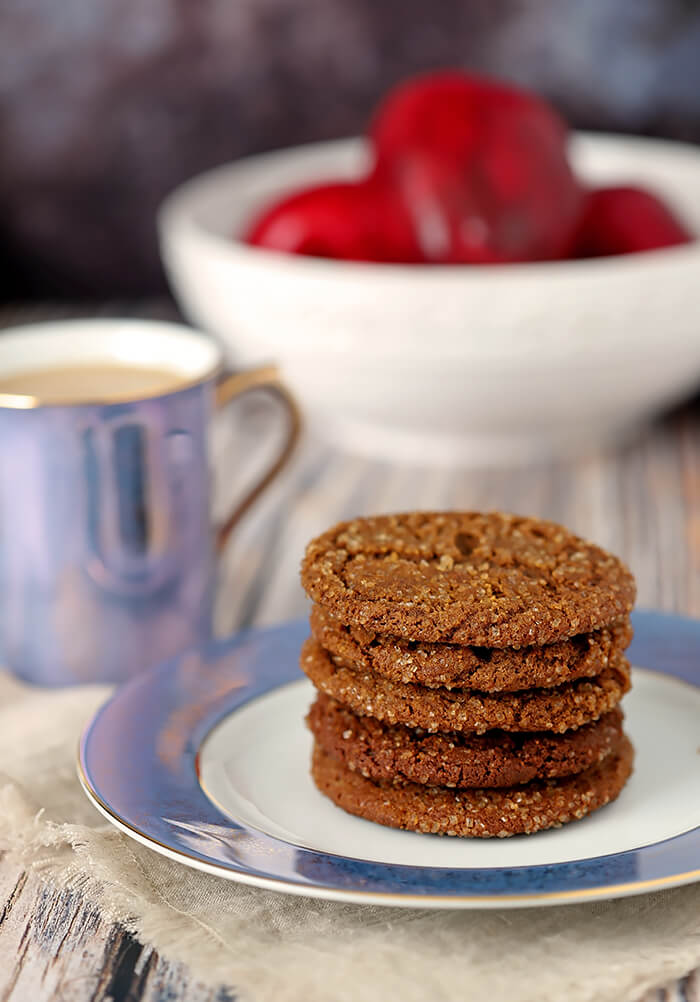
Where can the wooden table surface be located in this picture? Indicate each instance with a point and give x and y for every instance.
(642, 501)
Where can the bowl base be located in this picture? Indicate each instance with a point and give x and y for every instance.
(447, 449)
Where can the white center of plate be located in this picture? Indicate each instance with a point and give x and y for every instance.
(255, 767)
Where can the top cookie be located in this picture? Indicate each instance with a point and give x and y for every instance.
(492, 580)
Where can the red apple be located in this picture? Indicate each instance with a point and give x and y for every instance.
(626, 220)
(482, 168)
(366, 221)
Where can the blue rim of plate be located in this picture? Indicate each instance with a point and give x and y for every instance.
(138, 765)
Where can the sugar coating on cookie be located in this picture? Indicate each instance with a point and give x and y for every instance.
(504, 669)
(483, 813)
(492, 580)
(559, 709)
(391, 752)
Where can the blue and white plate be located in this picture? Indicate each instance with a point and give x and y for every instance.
(206, 760)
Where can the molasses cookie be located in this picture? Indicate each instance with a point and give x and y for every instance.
(557, 709)
(474, 813)
(385, 752)
(491, 580)
(489, 669)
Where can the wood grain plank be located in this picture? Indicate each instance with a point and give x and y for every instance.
(691, 986)
(54, 945)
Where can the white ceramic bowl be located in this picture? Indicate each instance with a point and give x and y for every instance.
(454, 363)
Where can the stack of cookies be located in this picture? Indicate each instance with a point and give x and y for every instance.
(469, 669)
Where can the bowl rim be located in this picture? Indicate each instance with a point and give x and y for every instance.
(176, 215)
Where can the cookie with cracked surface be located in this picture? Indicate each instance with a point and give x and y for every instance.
(558, 709)
(491, 580)
(489, 669)
(520, 810)
(386, 752)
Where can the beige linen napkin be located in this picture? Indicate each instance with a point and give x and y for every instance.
(273, 948)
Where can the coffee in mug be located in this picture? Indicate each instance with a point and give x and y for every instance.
(105, 382)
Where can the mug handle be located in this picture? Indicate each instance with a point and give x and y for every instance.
(235, 385)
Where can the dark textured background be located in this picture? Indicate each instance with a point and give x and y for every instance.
(107, 104)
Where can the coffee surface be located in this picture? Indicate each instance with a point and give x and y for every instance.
(97, 382)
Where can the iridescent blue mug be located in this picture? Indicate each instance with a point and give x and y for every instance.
(107, 552)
